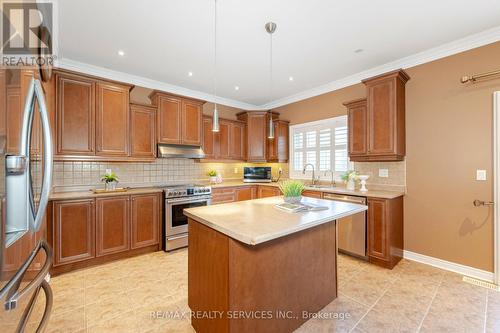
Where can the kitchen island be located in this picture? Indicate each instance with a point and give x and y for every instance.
(255, 268)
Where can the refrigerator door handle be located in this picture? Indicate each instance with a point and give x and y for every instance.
(13, 295)
(29, 309)
(38, 215)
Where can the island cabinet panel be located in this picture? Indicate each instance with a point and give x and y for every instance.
(112, 120)
(75, 115)
(142, 131)
(73, 231)
(227, 275)
(267, 191)
(112, 225)
(191, 119)
(385, 231)
(145, 220)
(312, 194)
(357, 128)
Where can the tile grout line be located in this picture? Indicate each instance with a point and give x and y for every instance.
(486, 311)
(430, 304)
(371, 307)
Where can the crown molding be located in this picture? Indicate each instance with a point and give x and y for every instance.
(464, 44)
(110, 74)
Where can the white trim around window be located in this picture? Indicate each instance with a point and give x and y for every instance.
(321, 143)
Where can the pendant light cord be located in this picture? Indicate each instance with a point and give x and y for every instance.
(215, 54)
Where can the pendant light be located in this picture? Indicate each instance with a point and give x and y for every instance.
(215, 119)
(270, 28)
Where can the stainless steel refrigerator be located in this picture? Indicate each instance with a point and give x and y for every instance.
(25, 183)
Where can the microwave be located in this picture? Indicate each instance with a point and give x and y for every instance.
(257, 174)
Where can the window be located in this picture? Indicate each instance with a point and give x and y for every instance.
(320, 143)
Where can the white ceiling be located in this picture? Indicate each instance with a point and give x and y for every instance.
(314, 42)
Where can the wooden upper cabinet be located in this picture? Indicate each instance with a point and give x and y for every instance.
(112, 119)
(357, 128)
(208, 143)
(179, 119)
(386, 116)
(223, 140)
(255, 135)
(73, 230)
(75, 115)
(112, 225)
(191, 119)
(145, 220)
(277, 148)
(142, 131)
(237, 144)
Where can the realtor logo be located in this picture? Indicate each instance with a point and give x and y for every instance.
(26, 28)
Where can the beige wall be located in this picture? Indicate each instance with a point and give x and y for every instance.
(449, 136)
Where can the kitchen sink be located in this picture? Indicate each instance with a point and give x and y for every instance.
(321, 186)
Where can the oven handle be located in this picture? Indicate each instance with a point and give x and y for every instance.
(184, 200)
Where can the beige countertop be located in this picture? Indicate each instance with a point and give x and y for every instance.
(257, 221)
(90, 194)
(384, 194)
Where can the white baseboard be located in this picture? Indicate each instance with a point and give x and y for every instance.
(450, 266)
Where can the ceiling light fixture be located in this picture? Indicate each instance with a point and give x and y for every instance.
(190, 73)
(270, 28)
(290, 78)
(236, 88)
(215, 119)
(121, 53)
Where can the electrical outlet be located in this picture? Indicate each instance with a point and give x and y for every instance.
(280, 171)
(480, 174)
(108, 171)
(383, 173)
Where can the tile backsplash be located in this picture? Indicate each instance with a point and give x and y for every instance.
(71, 175)
(396, 176)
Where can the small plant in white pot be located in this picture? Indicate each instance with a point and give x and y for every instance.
(292, 190)
(350, 177)
(110, 180)
(212, 176)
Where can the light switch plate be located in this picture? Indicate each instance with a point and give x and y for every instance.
(383, 173)
(235, 170)
(480, 174)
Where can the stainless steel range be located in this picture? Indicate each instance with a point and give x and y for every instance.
(177, 198)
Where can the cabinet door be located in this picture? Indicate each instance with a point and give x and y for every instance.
(256, 136)
(377, 229)
(222, 140)
(312, 194)
(112, 225)
(272, 144)
(268, 191)
(112, 120)
(381, 117)
(223, 195)
(169, 120)
(191, 121)
(236, 144)
(73, 229)
(142, 131)
(75, 115)
(145, 220)
(357, 127)
(246, 193)
(208, 138)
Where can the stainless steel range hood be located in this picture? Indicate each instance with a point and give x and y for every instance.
(179, 151)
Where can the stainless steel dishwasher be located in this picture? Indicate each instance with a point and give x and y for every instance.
(351, 230)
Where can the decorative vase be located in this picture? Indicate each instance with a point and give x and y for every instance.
(293, 200)
(110, 186)
(213, 180)
(363, 179)
(351, 185)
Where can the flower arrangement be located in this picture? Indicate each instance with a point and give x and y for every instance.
(349, 175)
(109, 178)
(292, 190)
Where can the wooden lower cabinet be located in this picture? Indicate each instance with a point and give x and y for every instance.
(267, 191)
(232, 194)
(112, 225)
(90, 231)
(385, 231)
(145, 220)
(246, 193)
(312, 194)
(73, 230)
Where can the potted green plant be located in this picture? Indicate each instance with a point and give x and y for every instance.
(350, 177)
(212, 174)
(110, 180)
(292, 190)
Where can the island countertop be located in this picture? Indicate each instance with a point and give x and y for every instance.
(257, 221)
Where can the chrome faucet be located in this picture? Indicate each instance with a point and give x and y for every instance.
(332, 183)
(313, 179)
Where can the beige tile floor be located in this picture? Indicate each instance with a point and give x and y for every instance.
(121, 296)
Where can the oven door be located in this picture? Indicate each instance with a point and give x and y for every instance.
(176, 222)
